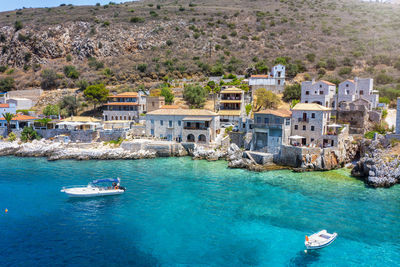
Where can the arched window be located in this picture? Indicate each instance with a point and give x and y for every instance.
(202, 138)
(190, 138)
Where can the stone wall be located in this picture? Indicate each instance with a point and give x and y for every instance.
(293, 156)
(106, 136)
(237, 138)
(357, 120)
(161, 148)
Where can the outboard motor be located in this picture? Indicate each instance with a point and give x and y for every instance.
(122, 188)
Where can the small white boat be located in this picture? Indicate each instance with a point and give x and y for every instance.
(95, 189)
(320, 240)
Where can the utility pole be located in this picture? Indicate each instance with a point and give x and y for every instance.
(209, 50)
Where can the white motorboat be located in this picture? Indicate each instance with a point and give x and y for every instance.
(95, 188)
(320, 240)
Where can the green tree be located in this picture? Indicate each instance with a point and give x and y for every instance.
(82, 84)
(331, 64)
(29, 134)
(291, 92)
(195, 95)
(310, 57)
(248, 109)
(43, 121)
(49, 79)
(266, 99)
(8, 117)
(167, 93)
(7, 84)
(384, 99)
(50, 110)
(96, 94)
(18, 25)
(71, 72)
(69, 104)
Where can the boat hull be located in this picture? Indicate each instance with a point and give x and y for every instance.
(92, 193)
(319, 246)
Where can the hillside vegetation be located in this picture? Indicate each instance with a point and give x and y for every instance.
(139, 42)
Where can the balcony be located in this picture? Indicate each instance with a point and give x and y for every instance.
(196, 128)
(306, 120)
(266, 125)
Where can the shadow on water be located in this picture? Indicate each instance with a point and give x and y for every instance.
(305, 259)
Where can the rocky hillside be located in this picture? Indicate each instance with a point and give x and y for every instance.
(143, 41)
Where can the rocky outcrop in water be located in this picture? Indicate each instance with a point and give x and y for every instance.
(57, 150)
(378, 167)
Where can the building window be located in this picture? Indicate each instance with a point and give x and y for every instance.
(307, 92)
(287, 121)
(161, 123)
(320, 86)
(161, 136)
(266, 120)
(321, 92)
(313, 115)
(306, 102)
(179, 123)
(152, 121)
(312, 128)
(152, 104)
(152, 131)
(347, 85)
(277, 121)
(312, 140)
(258, 120)
(170, 123)
(347, 92)
(296, 127)
(304, 127)
(361, 92)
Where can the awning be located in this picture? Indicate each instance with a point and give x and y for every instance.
(197, 119)
(296, 137)
(108, 180)
(229, 112)
(230, 101)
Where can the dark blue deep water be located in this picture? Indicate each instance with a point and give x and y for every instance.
(179, 212)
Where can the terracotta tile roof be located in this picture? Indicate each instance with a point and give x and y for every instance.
(169, 107)
(328, 83)
(310, 106)
(121, 104)
(4, 105)
(277, 112)
(126, 94)
(260, 76)
(183, 112)
(21, 117)
(350, 80)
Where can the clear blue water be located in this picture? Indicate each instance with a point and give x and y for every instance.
(179, 212)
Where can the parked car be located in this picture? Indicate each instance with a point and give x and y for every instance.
(235, 128)
(227, 124)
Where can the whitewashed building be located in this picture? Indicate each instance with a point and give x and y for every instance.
(8, 108)
(183, 125)
(321, 92)
(275, 81)
(310, 123)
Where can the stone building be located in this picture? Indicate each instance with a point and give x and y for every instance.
(154, 103)
(310, 123)
(274, 82)
(270, 130)
(125, 106)
(352, 90)
(321, 92)
(231, 104)
(183, 125)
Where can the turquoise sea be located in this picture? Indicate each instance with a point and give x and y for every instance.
(179, 212)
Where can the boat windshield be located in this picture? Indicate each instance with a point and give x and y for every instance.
(109, 180)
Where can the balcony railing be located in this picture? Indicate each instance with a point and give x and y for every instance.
(303, 119)
(196, 128)
(266, 125)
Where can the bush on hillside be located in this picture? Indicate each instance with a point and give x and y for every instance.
(7, 84)
(71, 72)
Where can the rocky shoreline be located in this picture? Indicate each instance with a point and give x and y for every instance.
(379, 166)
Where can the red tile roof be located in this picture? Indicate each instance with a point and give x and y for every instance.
(126, 94)
(277, 112)
(21, 117)
(328, 83)
(4, 105)
(259, 76)
(169, 107)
